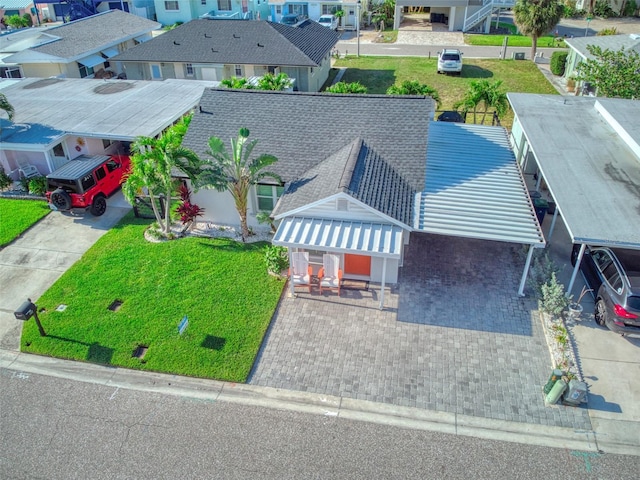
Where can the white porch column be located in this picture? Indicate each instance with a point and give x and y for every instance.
(452, 18)
(526, 271)
(291, 291)
(583, 247)
(396, 18)
(553, 223)
(384, 277)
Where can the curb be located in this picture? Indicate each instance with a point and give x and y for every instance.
(304, 402)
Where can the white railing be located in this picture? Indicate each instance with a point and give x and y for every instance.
(488, 6)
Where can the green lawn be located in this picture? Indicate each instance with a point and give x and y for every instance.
(485, 40)
(16, 216)
(379, 73)
(222, 286)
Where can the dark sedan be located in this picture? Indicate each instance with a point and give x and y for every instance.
(614, 276)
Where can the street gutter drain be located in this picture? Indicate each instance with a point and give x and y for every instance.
(140, 351)
(115, 305)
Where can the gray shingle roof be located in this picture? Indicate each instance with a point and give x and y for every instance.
(92, 33)
(358, 171)
(240, 42)
(606, 42)
(313, 136)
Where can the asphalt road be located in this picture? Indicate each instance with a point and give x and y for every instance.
(52, 428)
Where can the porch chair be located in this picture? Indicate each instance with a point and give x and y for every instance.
(300, 270)
(330, 275)
(27, 170)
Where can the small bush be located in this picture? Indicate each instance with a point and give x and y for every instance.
(38, 185)
(558, 62)
(630, 9)
(602, 9)
(5, 180)
(607, 31)
(276, 259)
(553, 299)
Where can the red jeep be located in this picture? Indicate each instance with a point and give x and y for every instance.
(86, 182)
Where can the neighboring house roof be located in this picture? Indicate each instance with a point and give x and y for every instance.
(588, 151)
(606, 42)
(304, 129)
(358, 171)
(106, 108)
(74, 40)
(15, 4)
(243, 42)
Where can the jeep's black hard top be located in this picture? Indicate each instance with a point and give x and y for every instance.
(78, 167)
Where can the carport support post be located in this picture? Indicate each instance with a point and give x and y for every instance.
(553, 222)
(291, 292)
(384, 277)
(583, 247)
(526, 271)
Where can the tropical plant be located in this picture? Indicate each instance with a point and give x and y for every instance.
(535, 18)
(383, 12)
(269, 81)
(343, 87)
(16, 21)
(6, 106)
(276, 258)
(38, 185)
(235, 172)
(152, 163)
(487, 94)
(413, 87)
(607, 31)
(603, 9)
(558, 62)
(5, 180)
(614, 73)
(188, 211)
(265, 217)
(236, 82)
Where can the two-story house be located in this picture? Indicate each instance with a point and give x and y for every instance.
(169, 12)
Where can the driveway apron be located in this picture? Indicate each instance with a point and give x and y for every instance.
(33, 262)
(454, 337)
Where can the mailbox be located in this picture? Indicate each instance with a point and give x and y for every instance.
(26, 311)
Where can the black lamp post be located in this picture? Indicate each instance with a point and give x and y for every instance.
(27, 310)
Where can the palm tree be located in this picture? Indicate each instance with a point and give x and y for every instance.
(489, 94)
(235, 172)
(236, 82)
(343, 87)
(6, 106)
(152, 165)
(413, 87)
(269, 81)
(537, 17)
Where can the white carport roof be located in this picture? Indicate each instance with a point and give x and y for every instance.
(588, 151)
(474, 187)
(365, 238)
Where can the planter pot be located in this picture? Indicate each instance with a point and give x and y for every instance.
(575, 310)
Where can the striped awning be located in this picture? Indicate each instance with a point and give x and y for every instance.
(474, 187)
(362, 238)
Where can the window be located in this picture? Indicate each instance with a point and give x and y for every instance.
(87, 182)
(224, 5)
(329, 9)
(297, 9)
(171, 5)
(100, 173)
(58, 151)
(268, 196)
(238, 70)
(111, 165)
(106, 143)
(189, 69)
(203, 2)
(278, 9)
(84, 70)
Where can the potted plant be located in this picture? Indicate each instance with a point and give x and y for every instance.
(571, 84)
(574, 308)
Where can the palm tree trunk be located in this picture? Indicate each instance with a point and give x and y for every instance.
(167, 212)
(534, 46)
(243, 225)
(156, 212)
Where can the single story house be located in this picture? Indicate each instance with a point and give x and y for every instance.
(220, 49)
(58, 119)
(170, 12)
(587, 151)
(359, 185)
(83, 47)
(578, 51)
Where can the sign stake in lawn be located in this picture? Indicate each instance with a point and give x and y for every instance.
(182, 326)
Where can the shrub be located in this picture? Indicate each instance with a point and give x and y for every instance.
(553, 299)
(602, 9)
(343, 87)
(5, 180)
(38, 185)
(276, 259)
(630, 9)
(558, 62)
(607, 31)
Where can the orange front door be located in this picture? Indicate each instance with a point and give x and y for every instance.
(357, 265)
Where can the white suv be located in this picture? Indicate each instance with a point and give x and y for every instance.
(450, 61)
(329, 21)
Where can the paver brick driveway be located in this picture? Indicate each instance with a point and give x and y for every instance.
(454, 337)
